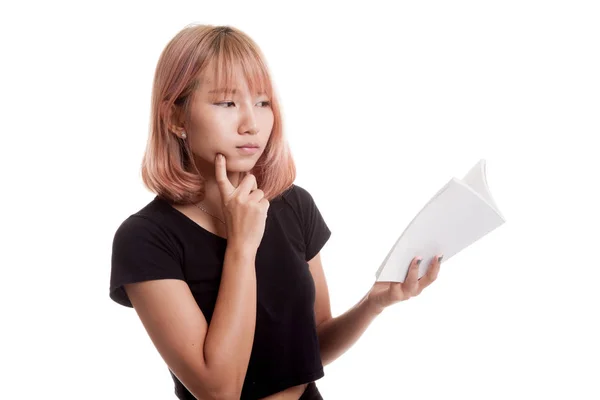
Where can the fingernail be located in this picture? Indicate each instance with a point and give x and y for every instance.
(419, 261)
(440, 258)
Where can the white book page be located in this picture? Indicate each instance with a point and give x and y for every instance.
(477, 180)
(454, 218)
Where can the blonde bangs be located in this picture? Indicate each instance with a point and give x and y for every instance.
(234, 57)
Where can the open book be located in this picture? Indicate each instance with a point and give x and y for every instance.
(460, 213)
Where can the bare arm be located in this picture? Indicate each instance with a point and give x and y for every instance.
(337, 335)
(231, 333)
(210, 361)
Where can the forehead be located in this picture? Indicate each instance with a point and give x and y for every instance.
(210, 85)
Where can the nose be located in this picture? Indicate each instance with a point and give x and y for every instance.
(248, 122)
(252, 129)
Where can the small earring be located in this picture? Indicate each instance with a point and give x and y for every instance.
(183, 135)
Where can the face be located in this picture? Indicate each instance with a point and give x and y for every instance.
(225, 124)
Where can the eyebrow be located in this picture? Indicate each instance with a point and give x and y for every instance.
(225, 90)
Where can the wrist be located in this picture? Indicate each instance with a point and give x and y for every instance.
(372, 307)
(240, 249)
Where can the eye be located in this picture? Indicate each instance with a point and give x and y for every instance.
(227, 104)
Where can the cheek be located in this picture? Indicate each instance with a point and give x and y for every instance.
(270, 116)
(210, 128)
(266, 122)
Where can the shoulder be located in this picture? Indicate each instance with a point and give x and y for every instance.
(314, 229)
(295, 190)
(150, 223)
(155, 212)
(135, 226)
(298, 196)
(143, 248)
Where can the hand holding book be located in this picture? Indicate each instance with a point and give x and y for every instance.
(384, 294)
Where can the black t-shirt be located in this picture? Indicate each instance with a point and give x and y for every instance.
(160, 242)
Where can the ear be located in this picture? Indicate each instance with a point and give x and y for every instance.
(175, 120)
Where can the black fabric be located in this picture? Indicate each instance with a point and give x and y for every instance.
(159, 242)
(311, 393)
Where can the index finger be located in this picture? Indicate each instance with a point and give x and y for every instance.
(432, 272)
(413, 272)
(225, 186)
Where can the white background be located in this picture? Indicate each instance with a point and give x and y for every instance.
(382, 105)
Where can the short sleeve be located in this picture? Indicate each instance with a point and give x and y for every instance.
(141, 251)
(315, 230)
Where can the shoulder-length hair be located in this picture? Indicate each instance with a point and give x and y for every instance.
(168, 167)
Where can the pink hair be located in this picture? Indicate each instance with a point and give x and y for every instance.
(168, 167)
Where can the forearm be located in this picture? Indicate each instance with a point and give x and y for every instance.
(339, 334)
(230, 335)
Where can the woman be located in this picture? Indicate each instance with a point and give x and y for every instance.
(223, 266)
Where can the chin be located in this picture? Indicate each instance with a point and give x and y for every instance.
(238, 164)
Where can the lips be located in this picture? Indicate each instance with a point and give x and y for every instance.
(248, 150)
(248, 146)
